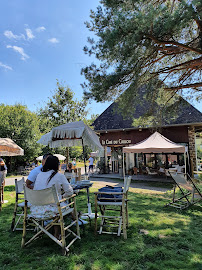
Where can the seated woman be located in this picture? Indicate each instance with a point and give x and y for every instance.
(69, 168)
(48, 177)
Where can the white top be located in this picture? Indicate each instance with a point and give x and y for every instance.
(90, 161)
(59, 180)
(34, 173)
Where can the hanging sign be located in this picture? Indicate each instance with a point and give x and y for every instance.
(112, 142)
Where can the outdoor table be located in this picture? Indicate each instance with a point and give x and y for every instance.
(79, 186)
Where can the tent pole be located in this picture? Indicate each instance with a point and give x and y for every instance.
(123, 167)
(84, 156)
(185, 162)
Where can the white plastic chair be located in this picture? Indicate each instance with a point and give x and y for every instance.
(150, 173)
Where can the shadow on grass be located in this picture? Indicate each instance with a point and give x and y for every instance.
(172, 241)
(9, 188)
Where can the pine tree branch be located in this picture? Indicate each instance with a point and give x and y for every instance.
(194, 85)
(174, 43)
(181, 66)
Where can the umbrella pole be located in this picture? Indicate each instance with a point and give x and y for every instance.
(84, 157)
(67, 155)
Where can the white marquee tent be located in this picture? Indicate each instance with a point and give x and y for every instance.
(156, 143)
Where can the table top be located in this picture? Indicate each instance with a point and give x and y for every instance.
(80, 185)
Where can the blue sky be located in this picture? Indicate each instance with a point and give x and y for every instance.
(41, 41)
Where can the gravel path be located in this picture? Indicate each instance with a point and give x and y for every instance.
(139, 187)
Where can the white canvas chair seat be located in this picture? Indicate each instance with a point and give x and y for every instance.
(109, 219)
(190, 193)
(49, 215)
(22, 204)
(48, 198)
(18, 213)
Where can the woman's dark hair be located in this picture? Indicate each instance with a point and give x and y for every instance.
(52, 163)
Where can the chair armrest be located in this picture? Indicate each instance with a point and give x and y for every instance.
(67, 198)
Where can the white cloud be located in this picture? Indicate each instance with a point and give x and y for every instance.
(9, 34)
(5, 66)
(53, 40)
(19, 50)
(40, 29)
(29, 33)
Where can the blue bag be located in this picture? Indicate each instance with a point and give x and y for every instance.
(106, 197)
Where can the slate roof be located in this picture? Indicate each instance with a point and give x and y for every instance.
(111, 119)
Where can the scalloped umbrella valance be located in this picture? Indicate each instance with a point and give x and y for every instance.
(72, 134)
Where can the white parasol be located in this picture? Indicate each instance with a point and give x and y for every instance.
(72, 134)
(60, 157)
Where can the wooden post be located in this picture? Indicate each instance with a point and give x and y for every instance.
(67, 155)
(105, 159)
(84, 157)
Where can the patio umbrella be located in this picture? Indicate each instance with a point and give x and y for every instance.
(60, 157)
(10, 148)
(72, 134)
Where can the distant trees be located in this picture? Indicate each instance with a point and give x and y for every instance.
(26, 127)
(21, 125)
(61, 108)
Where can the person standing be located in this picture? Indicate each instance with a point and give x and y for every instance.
(34, 173)
(3, 173)
(3, 170)
(74, 164)
(91, 163)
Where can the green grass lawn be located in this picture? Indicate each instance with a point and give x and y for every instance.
(171, 239)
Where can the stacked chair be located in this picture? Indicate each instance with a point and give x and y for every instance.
(110, 202)
(189, 193)
(65, 206)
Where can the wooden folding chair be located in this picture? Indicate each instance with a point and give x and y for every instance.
(46, 197)
(1, 190)
(118, 201)
(190, 194)
(19, 205)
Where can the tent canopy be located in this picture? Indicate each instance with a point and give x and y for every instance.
(9, 148)
(72, 134)
(156, 143)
